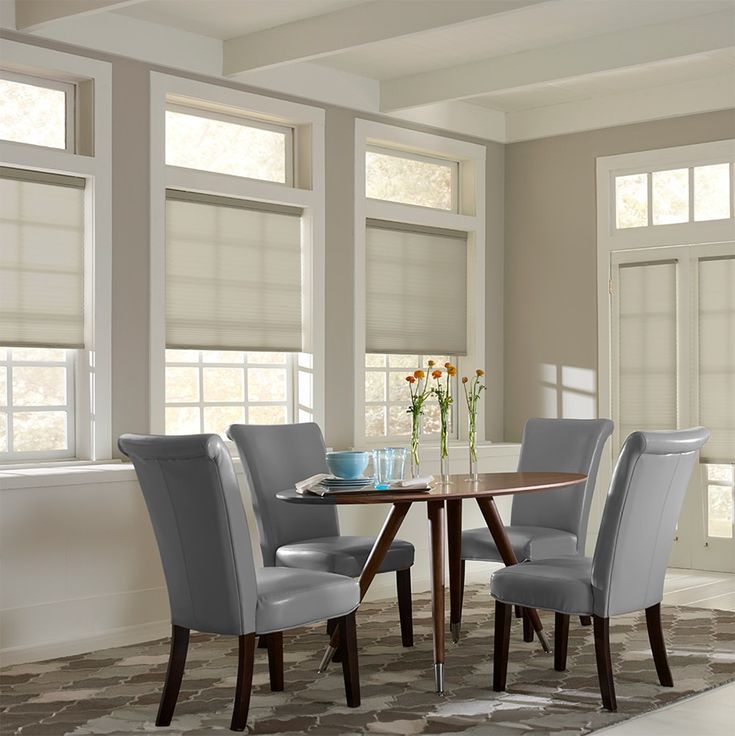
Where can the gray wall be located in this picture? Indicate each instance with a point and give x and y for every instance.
(550, 248)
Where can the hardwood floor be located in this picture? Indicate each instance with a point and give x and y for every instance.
(709, 714)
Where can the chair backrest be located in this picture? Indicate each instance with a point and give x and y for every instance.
(274, 458)
(638, 524)
(561, 446)
(199, 521)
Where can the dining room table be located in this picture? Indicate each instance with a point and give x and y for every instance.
(443, 495)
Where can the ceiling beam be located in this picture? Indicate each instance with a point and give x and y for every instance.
(349, 28)
(591, 55)
(32, 14)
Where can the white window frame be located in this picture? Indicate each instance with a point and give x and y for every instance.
(306, 191)
(93, 366)
(642, 243)
(469, 218)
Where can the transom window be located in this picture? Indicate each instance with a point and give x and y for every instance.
(36, 111)
(410, 178)
(387, 395)
(227, 144)
(673, 196)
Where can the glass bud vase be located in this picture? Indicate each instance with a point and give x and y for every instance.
(472, 441)
(415, 439)
(444, 451)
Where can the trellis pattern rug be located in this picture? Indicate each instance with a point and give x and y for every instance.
(116, 691)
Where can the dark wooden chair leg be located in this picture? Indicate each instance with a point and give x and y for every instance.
(604, 662)
(174, 673)
(405, 607)
(528, 633)
(263, 642)
(658, 645)
(585, 620)
(503, 614)
(246, 659)
(350, 671)
(561, 640)
(275, 660)
(518, 611)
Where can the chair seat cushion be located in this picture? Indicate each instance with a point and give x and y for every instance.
(343, 555)
(528, 542)
(288, 598)
(563, 584)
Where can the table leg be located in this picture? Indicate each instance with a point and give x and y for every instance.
(495, 525)
(382, 544)
(454, 538)
(435, 511)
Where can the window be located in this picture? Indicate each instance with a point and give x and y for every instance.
(673, 196)
(420, 272)
(720, 513)
(55, 237)
(36, 111)
(228, 145)
(236, 259)
(411, 179)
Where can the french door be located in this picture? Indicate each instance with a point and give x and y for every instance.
(672, 349)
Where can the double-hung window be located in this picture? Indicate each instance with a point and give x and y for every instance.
(420, 295)
(238, 261)
(54, 258)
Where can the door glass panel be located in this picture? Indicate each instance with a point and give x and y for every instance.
(719, 511)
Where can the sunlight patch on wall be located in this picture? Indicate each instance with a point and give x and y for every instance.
(568, 392)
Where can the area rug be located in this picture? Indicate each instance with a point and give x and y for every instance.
(116, 691)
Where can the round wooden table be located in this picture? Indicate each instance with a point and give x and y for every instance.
(441, 496)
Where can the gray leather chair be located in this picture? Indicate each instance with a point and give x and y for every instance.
(548, 523)
(627, 570)
(274, 458)
(198, 518)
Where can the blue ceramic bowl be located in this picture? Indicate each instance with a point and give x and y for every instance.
(347, 464)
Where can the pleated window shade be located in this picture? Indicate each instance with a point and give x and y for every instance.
(647, 347)
(416, 282)
(233, 274)
(41, 259)
(716, 317)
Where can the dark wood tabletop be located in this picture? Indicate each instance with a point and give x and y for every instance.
(459, 487)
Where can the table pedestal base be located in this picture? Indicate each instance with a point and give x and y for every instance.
(326, 658)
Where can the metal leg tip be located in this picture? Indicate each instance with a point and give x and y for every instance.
(439, 676)
(454, 628)
(327, 658)
(544, 641)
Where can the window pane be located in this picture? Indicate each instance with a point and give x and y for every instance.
(223, 356)
(403, 361)
(223, 147)
(218, 418)
(182, 356)
(271, 358)
(224, 384)
(373, 360)
(722, 473)
(31, 114)
(719, 511)
(267, 415)
(712, 192)
(182, 420)
(40, 354)
(399, 421)
(37, 386)
(3, 432)
(375, 386)
(182, 384)
(431, 421)
(670, 192)
(398, 387)
(408, 180)
(631, 201)
(39, 431)
(3, 386)
(266, 384)
(375, 421)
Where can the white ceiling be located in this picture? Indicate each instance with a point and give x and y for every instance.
(446, 60)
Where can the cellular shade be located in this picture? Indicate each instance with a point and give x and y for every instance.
(41, 259)
(716, 316)
(416, 301)
(647, 347)
(233, 274)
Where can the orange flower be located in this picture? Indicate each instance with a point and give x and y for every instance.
(410, 379)
(419, 374)
(465, 379)
(436, 374)
(451, 370)
(447, 365)
(480, 372)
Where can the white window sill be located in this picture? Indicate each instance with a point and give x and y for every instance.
(65, 474)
